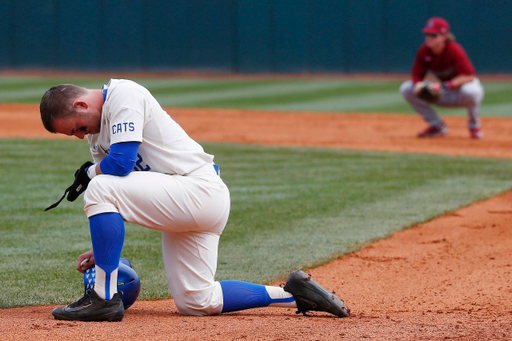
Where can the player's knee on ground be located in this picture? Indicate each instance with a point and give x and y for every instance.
(207, 301)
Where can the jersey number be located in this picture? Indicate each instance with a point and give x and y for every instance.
(138, 166)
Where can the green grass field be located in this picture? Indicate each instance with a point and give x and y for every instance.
(291, 207)
(331, 95)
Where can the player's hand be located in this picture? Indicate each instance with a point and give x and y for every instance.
(428, 90)
(81, 182)
(82, 265)
(77, 187)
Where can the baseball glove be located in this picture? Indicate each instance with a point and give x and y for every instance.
(78, 187)
(428, 90)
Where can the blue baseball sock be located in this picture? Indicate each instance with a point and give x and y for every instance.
(107, 235)
(242, 295)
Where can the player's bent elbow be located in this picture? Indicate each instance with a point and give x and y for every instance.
(122, 168)
(125, 170)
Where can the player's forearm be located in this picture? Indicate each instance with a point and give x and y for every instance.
(98, 168)
(417, 74)
(94, 170)
(418, 71)
(460, 80)
(119, 162)
(121, 159)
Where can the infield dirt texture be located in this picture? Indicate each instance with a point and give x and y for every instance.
(445, 279)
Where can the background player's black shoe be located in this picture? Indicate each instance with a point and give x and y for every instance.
(91, 307)
(309, 295)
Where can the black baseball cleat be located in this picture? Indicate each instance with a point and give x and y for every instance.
(91, 307)
(309, 295)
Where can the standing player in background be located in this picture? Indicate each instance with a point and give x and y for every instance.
(458, 87)
(148, 171)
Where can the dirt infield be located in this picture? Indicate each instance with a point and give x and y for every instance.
(357, 131)
(445, 279)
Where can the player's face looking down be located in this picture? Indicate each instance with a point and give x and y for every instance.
(78, 125)
(85, 118)
(436, 42)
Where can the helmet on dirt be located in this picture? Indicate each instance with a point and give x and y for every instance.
(128, 282)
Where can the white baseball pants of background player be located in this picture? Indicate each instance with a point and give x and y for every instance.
(191, 211)
(469, 95)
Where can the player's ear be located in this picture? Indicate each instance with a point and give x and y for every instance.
(79, 103)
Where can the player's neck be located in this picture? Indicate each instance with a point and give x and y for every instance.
(96, 98)
(437, 50)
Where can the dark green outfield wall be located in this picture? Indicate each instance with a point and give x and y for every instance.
(245, 35)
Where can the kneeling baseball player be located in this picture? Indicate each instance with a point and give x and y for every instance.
(148, 171)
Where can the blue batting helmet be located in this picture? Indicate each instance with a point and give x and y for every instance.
(128, 282)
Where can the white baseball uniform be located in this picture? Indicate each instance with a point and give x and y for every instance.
(176, 190)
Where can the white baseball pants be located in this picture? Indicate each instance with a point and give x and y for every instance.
(191, 211)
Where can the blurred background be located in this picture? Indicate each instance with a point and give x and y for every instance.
(244, 36)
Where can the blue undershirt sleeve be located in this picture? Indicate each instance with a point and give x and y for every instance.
(121, 158)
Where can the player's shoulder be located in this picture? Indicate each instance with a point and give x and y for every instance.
(423, 47)
(125, 89)
(423, 50)
(122, 84)
(455, 51)
(424, 54)
(454, 47)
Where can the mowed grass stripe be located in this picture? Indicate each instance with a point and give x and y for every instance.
(301, 97)
(31, 91)
(291, 207)
(330, 95)
(12, 84)
(184, 87)
(371, 101)
(248, 93)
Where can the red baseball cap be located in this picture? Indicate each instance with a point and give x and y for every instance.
(436, 25)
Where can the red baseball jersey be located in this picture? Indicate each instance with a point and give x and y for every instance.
(452, 62)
